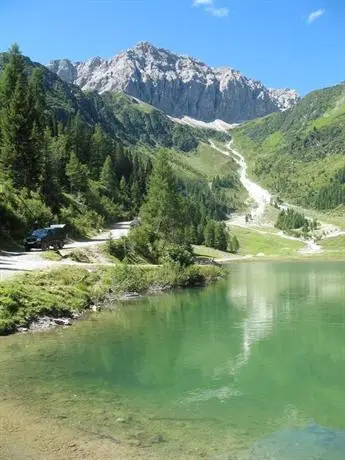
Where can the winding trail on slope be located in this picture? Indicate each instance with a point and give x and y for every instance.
(260, 198)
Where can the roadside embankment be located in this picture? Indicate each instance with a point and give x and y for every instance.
(42, 299)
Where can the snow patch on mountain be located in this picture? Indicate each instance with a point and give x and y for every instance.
(216, 125)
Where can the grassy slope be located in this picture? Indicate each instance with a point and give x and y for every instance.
(203, 163)
(298, 152)
(204, 251)
(334, 247)
(254, 242)
(208, 161)
(63, 291)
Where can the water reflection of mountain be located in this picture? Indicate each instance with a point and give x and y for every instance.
(293, 338)
(257, 353)
(269, 296)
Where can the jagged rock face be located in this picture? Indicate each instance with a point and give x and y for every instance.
(286, 98)
(64, 69)
(178, 85)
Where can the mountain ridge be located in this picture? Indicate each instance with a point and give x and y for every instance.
(177, 84)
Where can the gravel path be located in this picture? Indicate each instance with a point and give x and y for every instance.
(12, 262)
(260, 199)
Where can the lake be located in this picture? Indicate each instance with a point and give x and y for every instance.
(221, 372)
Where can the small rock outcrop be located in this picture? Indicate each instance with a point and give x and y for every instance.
(177, 85)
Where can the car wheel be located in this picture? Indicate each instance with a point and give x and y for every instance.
(27, 248)
(44, 246)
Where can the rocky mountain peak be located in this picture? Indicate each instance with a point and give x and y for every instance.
(179, 85)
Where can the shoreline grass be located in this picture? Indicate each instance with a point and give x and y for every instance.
(70, 290)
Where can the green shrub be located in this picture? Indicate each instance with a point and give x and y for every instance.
(129, 278)
(83, 223)
(118, 248)
(176, 253)
(81, 255)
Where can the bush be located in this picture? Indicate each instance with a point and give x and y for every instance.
(129, 278)
(118, 248)
(233, 244)
(83, 223)
(291, 220)
(81, 255)
(55, 293)
(20, 209)
(178, 254)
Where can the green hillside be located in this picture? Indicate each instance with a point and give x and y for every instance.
(300, 154)
(86, 159)
(119, 115)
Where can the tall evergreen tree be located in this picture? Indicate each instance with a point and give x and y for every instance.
(50, 177)
(161, 212)
(209, 234)
(220, 236)
(136, 196)
(108, 178)
(100, 149)
(77, 174)
(124, 193)
(16, 124)
(233, 244)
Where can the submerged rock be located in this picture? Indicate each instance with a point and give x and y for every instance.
(130, 296)
(158, 439)
(121, 420)
(310, 443)
(42, 324)
(45, 323)
(63, 321)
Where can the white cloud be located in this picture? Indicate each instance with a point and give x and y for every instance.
(218, 12)
(315, 15)
(210, 8)
(202, 2)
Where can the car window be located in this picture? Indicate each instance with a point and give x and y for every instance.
(39, 233)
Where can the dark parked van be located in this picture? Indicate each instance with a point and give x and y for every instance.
(44, 238)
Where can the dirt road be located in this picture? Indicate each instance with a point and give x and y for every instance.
(21, 261)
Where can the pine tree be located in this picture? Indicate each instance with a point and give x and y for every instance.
(209, 234)
(191, 235)
(50, 183)
(136, 196)
(108, 178)
(235, 245)
(77, 174)
(15, 121)
(100, 149)
(79, 139)
(37, 106)
(229, 246)
(220, 237)
(124, 193)
(161, 212)
(37, 100)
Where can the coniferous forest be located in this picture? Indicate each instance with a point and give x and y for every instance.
(65, 157)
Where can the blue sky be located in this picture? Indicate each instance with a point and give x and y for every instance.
(285, 43)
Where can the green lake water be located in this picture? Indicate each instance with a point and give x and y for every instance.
(217, 373)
